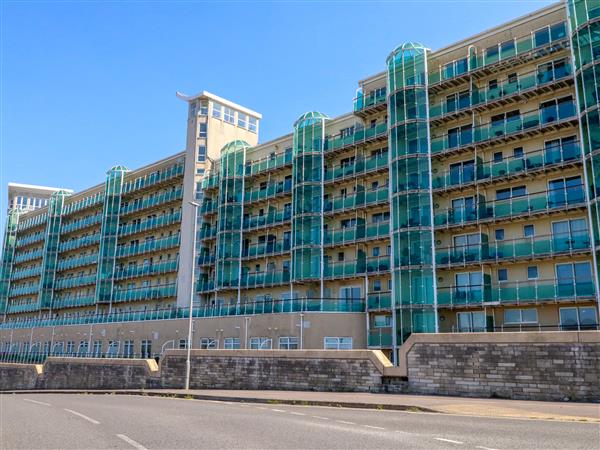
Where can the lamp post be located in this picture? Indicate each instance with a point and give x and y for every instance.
(190, 324)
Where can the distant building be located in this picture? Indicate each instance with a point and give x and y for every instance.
(28, 197)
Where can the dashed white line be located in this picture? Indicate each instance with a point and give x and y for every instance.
(277, 410)
(484, 448)
(297, 413)
(319, 417)
(131, 442)
(345, 423)
(36, 402)
(448, 440)
(83, 416)
(375, 428)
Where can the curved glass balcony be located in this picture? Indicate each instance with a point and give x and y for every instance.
(267, 278)
(482, 210)
(68, 283)
(70, 263)
(492, 170)
(531, 121)
(150, 224)
(81, 223)
(505, 51)
(148, 246)
(145, 293)
(357, 232)
(83, 241)
(152, 201)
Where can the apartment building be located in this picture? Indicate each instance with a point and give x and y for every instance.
(457, 196)
(27, 197)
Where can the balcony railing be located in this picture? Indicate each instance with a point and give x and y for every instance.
(70, 263)
(356, 233)
(480, 97)
(81, 223)
(357, 200)
(266, 248)
(26, 273)
(379, 300)
(534, 120)
(157, 268)
(360, 136)
(154, 178)
(517, 206)
(15, 308)
(83, 241)
(492, 170)
(28, 256)
(150, 224)
(32, 222)
(524, 248)
(508, 50)
(373, 98)
(84, 203)
(68, 283)
(380, 337)
(269, 191)
(357, 167)
(271, 218)
(24, 290)
(522, 292)
(152, 201)
(210, 181)
(207, 233)
(35, 237)
(270, 162)
(345, 269)
(148, 246)
(73, 302)
(145, 293)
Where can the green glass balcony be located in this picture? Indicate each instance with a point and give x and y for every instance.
(380, 337)
(524, 83)
(492, 170)
(210, 181)
(268, 278)
(26, 273)
(157, 268)
(148, 246)
(206, 259)
(378, 264)
(366, 101)
(207, 233)
(271, 218)
(31, 239)
(205, 285)
(150, 224)
(360, 136)
(14, 308)
(508, 50)
(24, 290)
(266, 248)
(74, 206)
(270, 162)
(209, 206)
(70, 263)
(379, 300)
(81, 223)
(145, 293)
(73, 302)
(154, 178)
(28, 255)
(356, 200)
(518, 206)
(38, 220)
(333, 237)
(523, 292)
(360, 166)
(67, 283)
(152, 201)
(527, 122)
(269, 191)
(83, 241)
(524, 248)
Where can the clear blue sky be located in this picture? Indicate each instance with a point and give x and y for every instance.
(87, 85)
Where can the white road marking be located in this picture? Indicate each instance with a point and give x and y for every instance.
(484, 448)
(277, 410)
(376, 428)
(36, 402)
(345, 423)
(319, 417)
(297, 414)
(83, 416)
(131, 442)
(448, 440)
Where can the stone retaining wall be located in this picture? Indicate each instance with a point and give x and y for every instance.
(19, 376)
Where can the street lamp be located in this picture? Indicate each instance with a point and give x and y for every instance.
(189, 340)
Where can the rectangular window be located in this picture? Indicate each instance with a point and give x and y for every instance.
(182, 344)
(532, 273)
(382, 321)
(202, 130)
(97, 348)
(217, 111)
(228, 114)
(337, 343)
(470, 322)
(253, 124)
(209, 343)
(288, 343)
(146, 348)
(520, 316)
(578, 318)
(529, 230)
(242, 121)
(502, 274)
(500, 234)
(261, 343)
(201, 153)
(204, 107)
(231, 343)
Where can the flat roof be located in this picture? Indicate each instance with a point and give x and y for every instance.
(216, 98)
(36, 187)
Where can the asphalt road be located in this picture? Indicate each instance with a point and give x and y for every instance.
(121, 421)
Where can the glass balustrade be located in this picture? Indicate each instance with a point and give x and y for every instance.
(146, 269)
(79, 242)
(24, 290)
(68, 283)
(516, 292)
(15, 308)
(71, 302)
(268, 191)
(268, 278)
(25, 224)
(208, 206)
(26, 273)
(207, 233)
(28, 256)
(507, 88)
(534, 120)
(154, 178)
(70, 263)
(359, 136)
(492, 170)
(36, 237)
(357, 232)
(270, 162)
(516, 206)
(148, 246)
(379, 300)
(271, 218)
(81, 223)
(74, 206)
(373, 98)
(210, 181)
(507, 50)
(524, 248)
(152, 201)
(145, 293)
(266, 248)
(149, 224)
(356, 200)
(380, 337)
(357, 167)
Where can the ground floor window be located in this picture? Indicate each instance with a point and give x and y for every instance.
(471, 321)
(578, 318)
(146, 348)
(261, 343)
(337, 343)
(182, 344)
(231, 343)
(209, 343)
(520, 316)
(288, 343)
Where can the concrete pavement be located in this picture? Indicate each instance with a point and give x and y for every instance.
(128, 421)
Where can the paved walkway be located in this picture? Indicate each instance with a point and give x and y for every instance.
(451, 405)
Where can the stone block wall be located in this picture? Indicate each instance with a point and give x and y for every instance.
(308, 370)
(19, 376)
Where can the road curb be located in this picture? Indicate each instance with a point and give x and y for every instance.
(222, 398)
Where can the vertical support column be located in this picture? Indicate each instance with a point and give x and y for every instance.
(50, 258)
(109, 235)
(307, 192)
(414, 293)
(230, 216)
(8, 253)
(584, 29)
